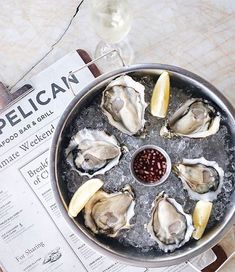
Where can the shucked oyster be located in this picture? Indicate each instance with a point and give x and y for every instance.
(109, 213)
(93, 152)
(123, 104)
(194, 119)
(201, 178)
(170, 226)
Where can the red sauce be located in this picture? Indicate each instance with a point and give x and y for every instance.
(149, 165)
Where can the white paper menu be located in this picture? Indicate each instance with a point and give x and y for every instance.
(33, 234)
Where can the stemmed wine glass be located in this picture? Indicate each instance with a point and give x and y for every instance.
(112, 21)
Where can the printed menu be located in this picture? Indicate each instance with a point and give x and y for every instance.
(33, 234)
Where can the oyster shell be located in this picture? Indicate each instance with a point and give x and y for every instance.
(194, 119)
(109, 213)
(202, 179)
(170, 226)
(93, 152)
(124, 105)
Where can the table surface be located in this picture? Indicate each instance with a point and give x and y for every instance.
(196, 35)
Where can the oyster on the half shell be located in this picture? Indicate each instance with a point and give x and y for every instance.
(202, 179)
(109, 213)
(170, 226)
(194, 119)
(92, 152)
(124, 105)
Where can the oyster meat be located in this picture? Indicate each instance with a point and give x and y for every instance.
(109, 213)
(124, 105)
(202, 179)
(170, 226)
(93, 152)
(194, 119)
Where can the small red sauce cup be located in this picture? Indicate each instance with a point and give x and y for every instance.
(150, 165)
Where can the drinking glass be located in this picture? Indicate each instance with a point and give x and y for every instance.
(112, 21)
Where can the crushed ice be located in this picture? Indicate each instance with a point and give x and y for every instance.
(218, 147)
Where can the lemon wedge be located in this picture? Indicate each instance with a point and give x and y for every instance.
(201, 216)
(160, 96)
(82, 195)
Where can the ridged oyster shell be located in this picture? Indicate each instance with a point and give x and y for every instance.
(92, 152)
(170, 226)
(109, 213)
(194, 119)
(124, 105)
(202, 179)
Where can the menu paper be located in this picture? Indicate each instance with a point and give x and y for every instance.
(33, 234)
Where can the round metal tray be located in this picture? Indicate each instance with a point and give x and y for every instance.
(218, 147)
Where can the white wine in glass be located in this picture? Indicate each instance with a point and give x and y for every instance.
(112, 21)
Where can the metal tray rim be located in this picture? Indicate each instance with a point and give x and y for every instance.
(164, 261)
